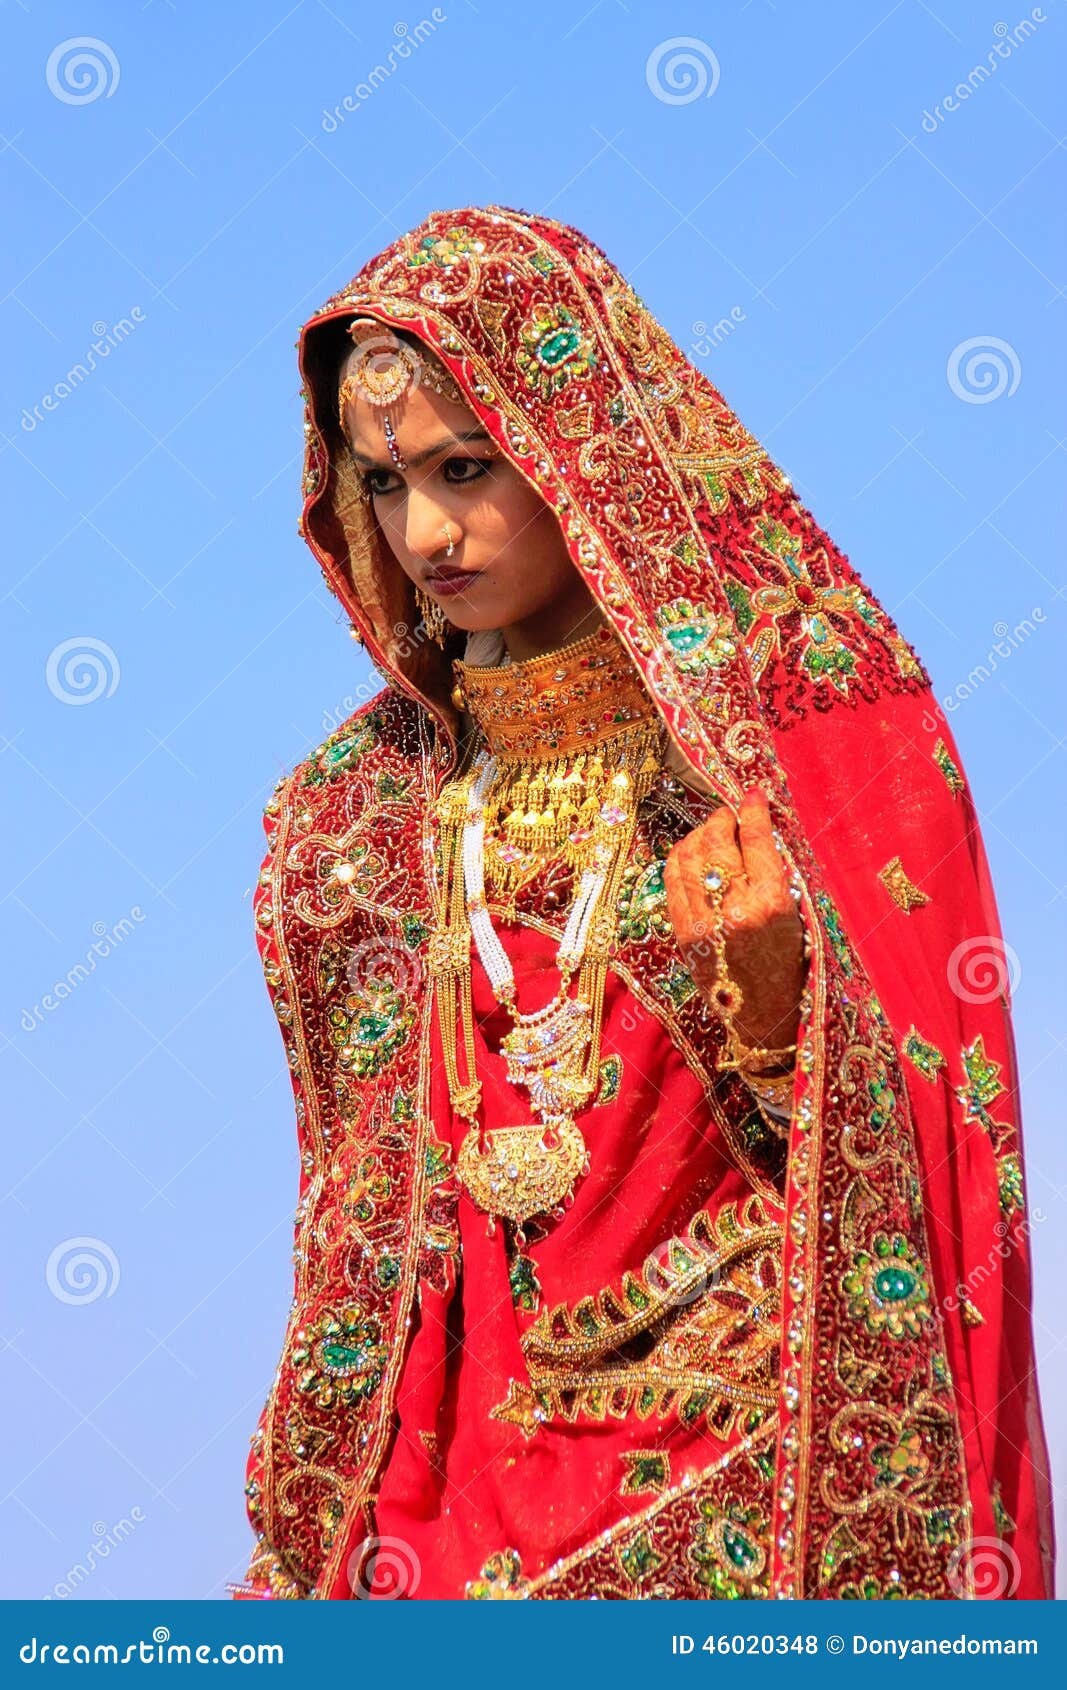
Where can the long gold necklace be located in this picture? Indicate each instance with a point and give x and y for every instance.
(574, 745)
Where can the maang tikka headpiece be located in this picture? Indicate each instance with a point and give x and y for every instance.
(385, 369)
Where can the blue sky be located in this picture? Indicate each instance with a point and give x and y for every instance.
(886, 267)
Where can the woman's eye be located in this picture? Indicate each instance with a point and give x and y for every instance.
(459, 470)
(456, 471)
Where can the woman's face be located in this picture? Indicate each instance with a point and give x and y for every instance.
(509, 567)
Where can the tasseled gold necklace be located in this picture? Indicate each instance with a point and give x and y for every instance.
(572, 746)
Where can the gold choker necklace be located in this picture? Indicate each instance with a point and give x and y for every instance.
(574, 735)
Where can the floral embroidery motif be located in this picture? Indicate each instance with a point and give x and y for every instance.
(1010, 1184)
(902, 890)
(893, 1463)
(983, 1087)
(500, 1578)
(695, 637)
(925, 1056)
(949, 768)
(339, 1358)
(824, 654)
(610, 1080)
(646, 1469)
(554, 350)
(887, 1288)
(369, 1026)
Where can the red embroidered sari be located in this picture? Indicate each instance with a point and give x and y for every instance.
(751, 1365)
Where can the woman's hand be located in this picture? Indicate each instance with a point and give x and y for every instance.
(761, 923)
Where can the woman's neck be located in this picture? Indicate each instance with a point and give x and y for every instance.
(556, 625)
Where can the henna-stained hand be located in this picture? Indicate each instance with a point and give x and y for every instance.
(762, 925)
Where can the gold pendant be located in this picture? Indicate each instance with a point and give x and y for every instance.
(519, 1175)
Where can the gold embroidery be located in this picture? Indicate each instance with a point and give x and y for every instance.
(712, 1293)
(902, 890)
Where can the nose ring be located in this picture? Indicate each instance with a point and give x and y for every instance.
(450, 548)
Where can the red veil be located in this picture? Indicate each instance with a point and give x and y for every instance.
(910, 1454)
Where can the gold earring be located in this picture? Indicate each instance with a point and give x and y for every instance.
(434, 619)
(450, 548)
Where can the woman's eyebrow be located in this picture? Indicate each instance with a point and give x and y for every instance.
(420, 458)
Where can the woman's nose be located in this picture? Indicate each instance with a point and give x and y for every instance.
(425, 532)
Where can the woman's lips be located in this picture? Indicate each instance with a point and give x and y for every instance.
(451, 581)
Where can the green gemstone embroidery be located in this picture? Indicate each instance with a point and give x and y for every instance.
(639, 1559)
(644, 1471)
(694, 636)
(835, 933)
(1010, 1184)
(438, 1162)
(340, 1358)
(925, 1056)
(1001, 1518)
(950, 769)
(342, 751)
(443, 251)
(728, 1552)
(554, 351)
(525, 1285)
(610, 1080)
(678, 986)
(501, 1577)
(642, 902)
(414, 931)
(984, 1084)
(368, 1028)
(887, 1288)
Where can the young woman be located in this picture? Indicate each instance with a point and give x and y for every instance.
(661, 1227)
